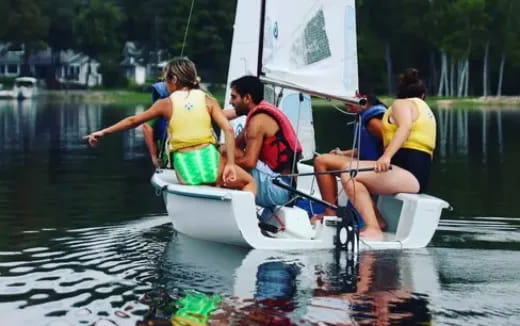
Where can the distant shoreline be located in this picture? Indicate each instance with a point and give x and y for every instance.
(126, 96)
(477, 101)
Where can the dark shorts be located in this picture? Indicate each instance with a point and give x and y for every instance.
(418, 163)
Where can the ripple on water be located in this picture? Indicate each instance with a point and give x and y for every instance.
(39, 296)
(19, 270)
(10, 253)
(483, 232)
(96, 269)
(36, 249)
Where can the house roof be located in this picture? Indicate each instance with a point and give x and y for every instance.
(44, 57)
(132, 55)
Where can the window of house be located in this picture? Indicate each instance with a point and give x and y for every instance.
(72, 73)
(2, 69)
(12, 69)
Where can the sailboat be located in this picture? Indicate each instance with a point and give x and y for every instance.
(313, 51)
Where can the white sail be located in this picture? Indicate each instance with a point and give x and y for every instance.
(244, 61)
(311, 44)
(244, 49)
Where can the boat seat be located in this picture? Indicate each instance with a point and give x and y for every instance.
(413, 218)
(296, 222)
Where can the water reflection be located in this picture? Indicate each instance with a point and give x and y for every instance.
(454, 131)
(133, 139)
(475, 165)
(18, 124)
(28, 126)
(479, 232)
(73, 247)
(263, 287)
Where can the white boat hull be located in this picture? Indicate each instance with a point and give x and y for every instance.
(230, 216)
(23, 92)
(24, 88)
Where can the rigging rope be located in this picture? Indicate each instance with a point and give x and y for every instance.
(300, 100)
(357, 141)
(187, 28)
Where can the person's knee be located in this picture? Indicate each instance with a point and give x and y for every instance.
(321, 163)
(247, 180)
(349, 187)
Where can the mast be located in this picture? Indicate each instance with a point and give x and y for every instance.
(261, 38)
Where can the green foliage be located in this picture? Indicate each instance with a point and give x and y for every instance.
(24, 22)
(62, 24)
(112, 75)
(7, 82)
(99, 28)
(416, 31)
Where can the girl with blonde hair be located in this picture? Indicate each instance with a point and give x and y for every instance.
(190, 112)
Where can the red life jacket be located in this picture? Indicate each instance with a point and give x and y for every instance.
(278, 151)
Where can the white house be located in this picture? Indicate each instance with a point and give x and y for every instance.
(133, 65)
(71, 67)
(74, 68)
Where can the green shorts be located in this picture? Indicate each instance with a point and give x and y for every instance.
(199, 166)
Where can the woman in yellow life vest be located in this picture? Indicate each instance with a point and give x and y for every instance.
(408, 133)
(190, 112)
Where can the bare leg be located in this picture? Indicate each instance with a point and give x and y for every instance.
(327, 182)
(244, 180)
(360, 198)
(384, 183)
(380, 219)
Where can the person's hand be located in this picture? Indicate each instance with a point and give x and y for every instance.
(229, 174)
(336, 151)
(94, 137)
(155, 162)
(382, 164)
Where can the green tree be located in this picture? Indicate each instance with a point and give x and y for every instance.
(99, 27)
(62, 32)
(4, 9)
(505, 30)
(399, 28)
(27, 26)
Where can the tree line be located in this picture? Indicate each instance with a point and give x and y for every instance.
(461, 47)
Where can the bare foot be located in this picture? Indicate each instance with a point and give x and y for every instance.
(371, 234)
(382, 223)
(317, 218)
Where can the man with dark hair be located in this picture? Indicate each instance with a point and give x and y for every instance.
(267, 146)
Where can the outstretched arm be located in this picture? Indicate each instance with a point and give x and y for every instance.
(159, 108)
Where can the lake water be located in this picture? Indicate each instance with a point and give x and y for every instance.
(84, 240)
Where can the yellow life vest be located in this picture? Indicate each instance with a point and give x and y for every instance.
(424, 128)
(190, 124)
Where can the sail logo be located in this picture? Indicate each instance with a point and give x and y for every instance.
(275, 30)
